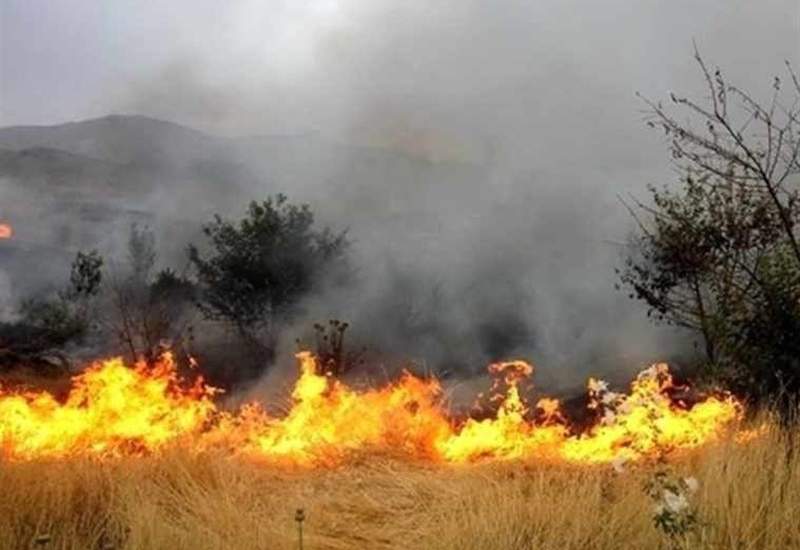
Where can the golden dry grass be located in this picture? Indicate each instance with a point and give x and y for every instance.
(749, 498)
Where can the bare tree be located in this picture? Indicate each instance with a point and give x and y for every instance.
(740, 141)
(148, 310)
(719, 255)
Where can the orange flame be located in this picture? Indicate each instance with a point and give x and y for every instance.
(6, 231)
(112, 410)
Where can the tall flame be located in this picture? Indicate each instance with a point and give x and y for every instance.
(113, 410)
(6, 231)
(110, 410)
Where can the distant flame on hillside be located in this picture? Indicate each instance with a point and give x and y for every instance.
(6, 231)
(113, 410)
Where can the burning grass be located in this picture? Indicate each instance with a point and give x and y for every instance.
(748, 498)
(137, 458)
(112, 410)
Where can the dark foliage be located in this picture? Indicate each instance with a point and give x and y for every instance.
(86, 275)
(258, 269)
(48, 324)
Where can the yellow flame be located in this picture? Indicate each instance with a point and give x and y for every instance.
(112, 410)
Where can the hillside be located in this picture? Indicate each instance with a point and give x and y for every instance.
(81, 184)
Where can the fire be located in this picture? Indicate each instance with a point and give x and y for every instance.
(110, 410)
(6, 231)
(113, 410)
(646, 421)
(329, 420)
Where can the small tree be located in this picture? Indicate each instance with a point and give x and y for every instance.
(695, 261)
(141, 253)
(146, 308)
(259, 268)
(49, 324)
(720, 255)
(85, 282)
(86, 275)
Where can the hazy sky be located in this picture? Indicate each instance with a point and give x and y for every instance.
(459, 73)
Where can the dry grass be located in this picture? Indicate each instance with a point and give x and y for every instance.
(749, 498)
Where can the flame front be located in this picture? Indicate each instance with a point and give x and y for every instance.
(113, 410)
(110, 410)
(6, 231)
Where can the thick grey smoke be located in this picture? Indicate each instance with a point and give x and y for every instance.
(474, 149)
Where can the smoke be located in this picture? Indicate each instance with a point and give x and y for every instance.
(528, 275)
(474, 149)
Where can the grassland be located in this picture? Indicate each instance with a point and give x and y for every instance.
(749, 498)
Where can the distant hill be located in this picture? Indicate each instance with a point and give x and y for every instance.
(167, 149)
(148, 141)
(115, 138)
(81, 184)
